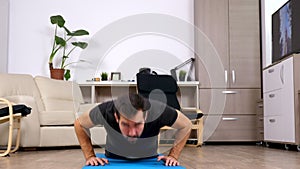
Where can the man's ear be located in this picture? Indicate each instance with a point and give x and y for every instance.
(116, 117)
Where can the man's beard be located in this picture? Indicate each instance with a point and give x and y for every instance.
(131, 140)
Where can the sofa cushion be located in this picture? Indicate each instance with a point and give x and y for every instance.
(17, 84)
(58, 94)
(20, 85)
(55, 118)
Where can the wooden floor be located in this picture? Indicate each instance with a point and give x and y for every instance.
(205, 157)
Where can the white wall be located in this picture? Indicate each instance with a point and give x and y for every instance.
(30, 35)
(268, 7)
(4, 5)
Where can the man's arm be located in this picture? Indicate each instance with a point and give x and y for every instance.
(82, 125)
(183, 126)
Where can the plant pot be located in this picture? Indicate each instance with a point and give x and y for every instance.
(57, 74)
(182, 76)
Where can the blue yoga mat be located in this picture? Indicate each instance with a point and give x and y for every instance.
(128, 164)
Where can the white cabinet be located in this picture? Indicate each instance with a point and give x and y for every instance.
(281, 101)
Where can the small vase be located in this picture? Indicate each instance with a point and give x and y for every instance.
(182, 76)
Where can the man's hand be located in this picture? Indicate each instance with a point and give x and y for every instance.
(94, 161)
(169, 161)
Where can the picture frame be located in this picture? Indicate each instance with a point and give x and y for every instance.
(115, 76)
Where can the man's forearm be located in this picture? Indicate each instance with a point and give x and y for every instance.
(182, 136)
(84, 139)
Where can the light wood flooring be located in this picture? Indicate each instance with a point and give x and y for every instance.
(205, 157)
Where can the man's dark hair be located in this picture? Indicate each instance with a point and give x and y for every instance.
(129, 104)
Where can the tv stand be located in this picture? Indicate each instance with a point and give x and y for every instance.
(281, 101)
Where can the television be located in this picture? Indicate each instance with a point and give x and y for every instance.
(286, 30)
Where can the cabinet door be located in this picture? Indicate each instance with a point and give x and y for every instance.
(239, 101)
(273, 101)
(231, 128)
(213, 41)
(279, 128)
(244, 44)
(273, 78)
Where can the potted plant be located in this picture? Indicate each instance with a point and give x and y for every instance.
(62, 43)
(182, 74)
(104, 76)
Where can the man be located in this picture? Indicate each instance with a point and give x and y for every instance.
(132, 124)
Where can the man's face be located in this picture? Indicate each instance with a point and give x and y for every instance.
(132, 128)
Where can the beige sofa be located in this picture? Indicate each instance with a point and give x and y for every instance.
(55, 105)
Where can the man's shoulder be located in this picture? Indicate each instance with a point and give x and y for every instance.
(106, 104)
(159, 110)
(104, 108)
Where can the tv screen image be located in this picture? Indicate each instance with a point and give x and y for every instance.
(285, 30)
(285, 40)
(282, 32)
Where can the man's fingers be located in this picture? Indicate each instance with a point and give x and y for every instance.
(103, 160)
(169, 161)
(95, 161)
(160, 158)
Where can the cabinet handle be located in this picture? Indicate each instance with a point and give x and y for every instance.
(271, 95)
(281, 74)
(229, 92)
(272, 120)
(233, 76)
(229, 119)
(226, 76)
(270, 70)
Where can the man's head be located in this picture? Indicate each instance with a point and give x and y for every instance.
(131, 114)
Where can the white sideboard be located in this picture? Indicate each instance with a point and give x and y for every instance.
(96, 92)
(281, 103)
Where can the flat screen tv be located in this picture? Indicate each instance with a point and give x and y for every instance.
(286, 30)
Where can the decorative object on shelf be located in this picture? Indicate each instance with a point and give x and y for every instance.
(115, 76)
(104, 76)
(61, 43)
(96, 79)
(173, 71)
(182, 74)
(57, 73)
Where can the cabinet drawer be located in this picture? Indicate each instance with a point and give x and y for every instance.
(273, 78)
(273, 101)
(237, 101)
(276, 128)
(232, 128)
